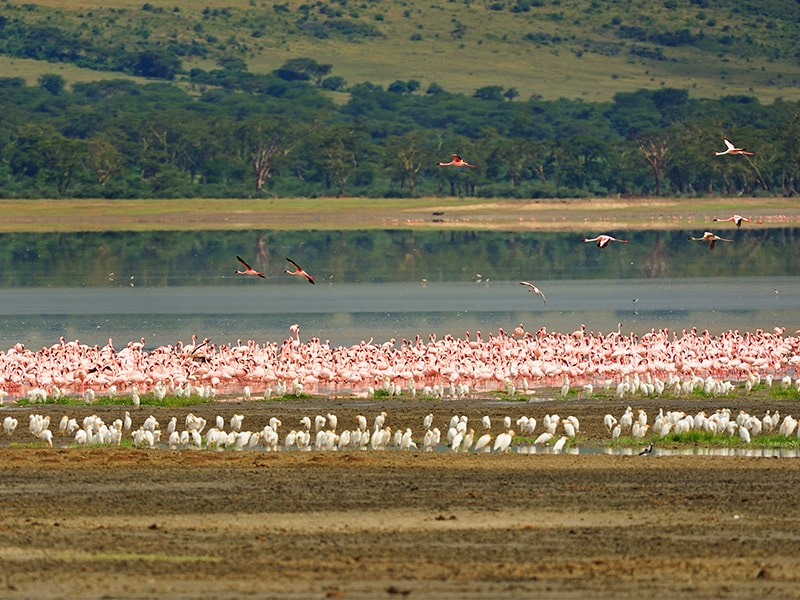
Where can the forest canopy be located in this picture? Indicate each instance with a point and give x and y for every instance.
(237, 134)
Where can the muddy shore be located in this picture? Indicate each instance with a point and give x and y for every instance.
(121, 522)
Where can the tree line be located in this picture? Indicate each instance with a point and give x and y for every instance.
(288, 133)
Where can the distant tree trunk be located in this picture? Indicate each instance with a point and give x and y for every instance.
(655, 148)
(410, 167)
(262, 143)
(758, 173)
(262, 156)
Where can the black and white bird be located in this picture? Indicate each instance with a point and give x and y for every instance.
(647, 450)
(534, 290)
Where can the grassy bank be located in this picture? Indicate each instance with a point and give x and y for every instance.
(40, 216)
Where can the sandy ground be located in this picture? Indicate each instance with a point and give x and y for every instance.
(617, 214)
(109, 523)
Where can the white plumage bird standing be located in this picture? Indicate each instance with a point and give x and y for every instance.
(559, 445)
(503, 441)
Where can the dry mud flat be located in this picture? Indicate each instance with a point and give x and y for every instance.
(107, 523)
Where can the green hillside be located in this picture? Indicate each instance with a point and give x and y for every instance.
(588, 49)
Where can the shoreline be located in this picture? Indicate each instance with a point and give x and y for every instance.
(292, 214)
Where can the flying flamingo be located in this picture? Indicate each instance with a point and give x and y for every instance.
(709, 237)
(298, 271)
(456, 162)
(738, 219)
(535, 290)
(248, 270)
(731, 149)
(603, 240)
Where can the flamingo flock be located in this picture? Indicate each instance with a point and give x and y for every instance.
(431, 367)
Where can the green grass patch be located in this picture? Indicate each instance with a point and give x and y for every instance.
(125, 401)
(580, 49)
(290, 396)
(150, 400)
(31, 70)
(779, 393)
(704, 439)
(515, 397)
(29, 445)
(624, 441)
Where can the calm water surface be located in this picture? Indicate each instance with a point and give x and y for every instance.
(382, 285)
(348, 313)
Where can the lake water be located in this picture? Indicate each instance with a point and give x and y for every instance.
(382, 285)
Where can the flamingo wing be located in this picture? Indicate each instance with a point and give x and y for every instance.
(300, 271)
(241, 260)
(294, 264)
(729, 144)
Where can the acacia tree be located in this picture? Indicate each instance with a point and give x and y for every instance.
(43, 153)
(304, 69)
(62, 159)
(655, 149)
(104, 158)
(516, 157)
(263, 143)
(406, 157)
(340, 153)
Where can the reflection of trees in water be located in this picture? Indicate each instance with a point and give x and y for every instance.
(208, 257)
(657, 259)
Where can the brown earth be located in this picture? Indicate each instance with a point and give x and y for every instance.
(121, 522)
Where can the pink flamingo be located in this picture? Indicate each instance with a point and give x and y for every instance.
(731, 149)
(480, 363)
(534, 290)
(298, 271)
(603, 240)
(456, 162)
(709, 237)
(248, 270)
(738, 219)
